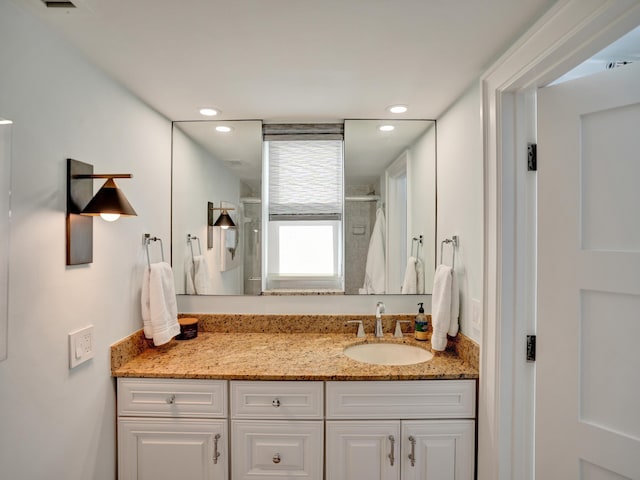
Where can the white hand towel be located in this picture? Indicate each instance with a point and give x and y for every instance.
(201, 276)
(410, 282)
(190, 287)
(374, 276)
(441, 307)
(159, 307)
(454, 324)
(420, 275)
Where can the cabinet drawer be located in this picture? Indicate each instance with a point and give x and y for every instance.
(407, 399)
(292, 400)
(151, 397)
(277, 449)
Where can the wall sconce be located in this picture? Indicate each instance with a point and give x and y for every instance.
(110, 203)
(224, 221)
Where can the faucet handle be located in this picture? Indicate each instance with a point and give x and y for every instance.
(398, 332)
(360, 333)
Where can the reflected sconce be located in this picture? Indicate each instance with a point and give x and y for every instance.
(224, 221)
(110, 203)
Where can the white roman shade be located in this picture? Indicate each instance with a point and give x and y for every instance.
(305, 178)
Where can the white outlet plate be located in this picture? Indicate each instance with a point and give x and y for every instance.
(80, 346)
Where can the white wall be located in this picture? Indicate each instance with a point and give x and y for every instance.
(460, 198)
(422, 184)
(199, 178)
(55, 422)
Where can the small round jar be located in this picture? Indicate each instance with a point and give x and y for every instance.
(188, 328)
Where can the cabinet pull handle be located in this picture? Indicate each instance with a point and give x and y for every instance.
(171, 399)
(412, 455)
(391, 455)
(216, 453)
(276, 458)
(276, 403)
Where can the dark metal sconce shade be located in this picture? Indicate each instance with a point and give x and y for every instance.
(82, 205)
(224, 220)
(109, 199)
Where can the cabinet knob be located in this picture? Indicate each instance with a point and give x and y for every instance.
(275, 403)
(276, 458)
(171, 399)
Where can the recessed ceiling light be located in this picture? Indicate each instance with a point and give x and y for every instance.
(209, 112)
(386, 128)
(223, 129)
(398, 108)
(4, 121)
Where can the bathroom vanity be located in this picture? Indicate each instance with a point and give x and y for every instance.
(230, 405)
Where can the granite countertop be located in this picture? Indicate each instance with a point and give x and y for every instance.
(281, 356)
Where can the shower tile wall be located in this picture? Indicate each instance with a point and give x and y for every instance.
(253, 251)
(359, 220)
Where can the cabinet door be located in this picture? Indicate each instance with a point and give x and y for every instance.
(276, 449)
(438, 450)
(363, 450)
(159, 449)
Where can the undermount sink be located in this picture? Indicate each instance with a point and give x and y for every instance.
(387, 353)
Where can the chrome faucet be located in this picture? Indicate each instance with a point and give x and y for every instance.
(379, 310)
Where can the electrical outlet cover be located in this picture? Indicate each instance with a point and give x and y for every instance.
(80, 346)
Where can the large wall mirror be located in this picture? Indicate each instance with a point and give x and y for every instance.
(387, 236)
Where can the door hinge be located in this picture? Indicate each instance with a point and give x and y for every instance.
(532, 157)
(531, 348)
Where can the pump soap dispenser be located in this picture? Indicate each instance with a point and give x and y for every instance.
(421, 324)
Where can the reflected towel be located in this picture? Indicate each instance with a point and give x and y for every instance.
(190, 287)
(410, 282)
(441, 307)
(158, 301)
(413, 277)
(201, 278)
(374, 275)
(454, 324)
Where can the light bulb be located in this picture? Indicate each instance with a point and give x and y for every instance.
(110, 217)
(209, 112)
(224, 227)
(398, 109)
(386, 128)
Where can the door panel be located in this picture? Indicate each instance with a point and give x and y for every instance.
(587, 393)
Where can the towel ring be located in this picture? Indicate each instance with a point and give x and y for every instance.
(454, 244)
(147, 239)
(190, 239)
(413, 241)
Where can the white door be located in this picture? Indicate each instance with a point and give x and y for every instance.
(588, 326)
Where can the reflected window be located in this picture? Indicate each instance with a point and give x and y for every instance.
(304, 202)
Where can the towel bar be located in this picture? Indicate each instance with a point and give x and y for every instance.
(454, 244)
(147, 239)
(190, 239)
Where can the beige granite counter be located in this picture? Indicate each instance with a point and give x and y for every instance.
(273, 355)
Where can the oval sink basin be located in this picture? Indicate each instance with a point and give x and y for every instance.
(387, 353)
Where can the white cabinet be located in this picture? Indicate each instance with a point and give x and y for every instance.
(417, 430)
(171, 429)
(277, 430)
(380, 430)
(438, 449)
(366, 450)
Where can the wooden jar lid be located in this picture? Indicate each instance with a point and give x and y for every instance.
(187, 321)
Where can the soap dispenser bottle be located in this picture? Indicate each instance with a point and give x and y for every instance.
(420, 330)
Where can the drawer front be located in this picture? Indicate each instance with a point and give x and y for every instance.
(406, 399)
(292, 400)
(277, 449)
(151, 397)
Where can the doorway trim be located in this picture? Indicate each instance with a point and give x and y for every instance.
(569, 33)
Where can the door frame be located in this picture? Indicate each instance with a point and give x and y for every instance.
(569, 33)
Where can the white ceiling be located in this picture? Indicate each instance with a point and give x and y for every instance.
(293, 60)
